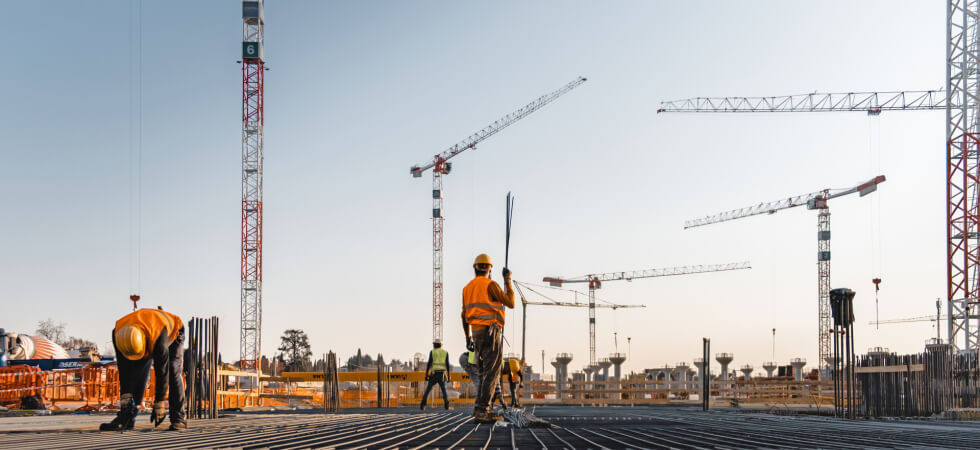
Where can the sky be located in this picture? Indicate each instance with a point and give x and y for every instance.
(99, 95)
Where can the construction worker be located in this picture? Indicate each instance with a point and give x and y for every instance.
(467, 360)
(512, 370)
(142, 338)
(437, 371)
(483, 313)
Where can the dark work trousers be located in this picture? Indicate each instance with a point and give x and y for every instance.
(437, 377)
(133, 376)
(515, 396)
(488, 348)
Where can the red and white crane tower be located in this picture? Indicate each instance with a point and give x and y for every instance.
(818, 201)
(253, 67)
(440, 166)
(595, 282)
(962, 151)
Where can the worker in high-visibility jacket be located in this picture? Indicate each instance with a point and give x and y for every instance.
(484, 303)
(437, 371)
(512, 370)
(142, 338)
(467, 360)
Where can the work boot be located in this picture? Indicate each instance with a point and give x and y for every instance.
(486, 417)
(175, 426)
(422, 406)
(119, 423)
(125, 419)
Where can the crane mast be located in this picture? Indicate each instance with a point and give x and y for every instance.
(595, 282)
(814, 200)
(440, 166)
(253, 68)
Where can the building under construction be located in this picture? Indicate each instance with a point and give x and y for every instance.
(50, 399)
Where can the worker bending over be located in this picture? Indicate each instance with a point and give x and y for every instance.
(483, 312)
(512, 370)
(437, 371)
(141, 338)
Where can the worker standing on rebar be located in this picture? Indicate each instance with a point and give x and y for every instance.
(512, 370)
(483, 312)
(142, 338)
(467, 360)
(437, 371)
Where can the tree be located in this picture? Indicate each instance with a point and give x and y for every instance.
(74, 343)
(51, 331)
(295, 346)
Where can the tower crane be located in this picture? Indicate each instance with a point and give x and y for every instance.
(595, 282)
(440, 166)
(814, 200)
(962, 153)
(938, 318)
(576, 304)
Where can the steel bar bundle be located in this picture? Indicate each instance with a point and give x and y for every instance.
(842, 309)
(201, 368)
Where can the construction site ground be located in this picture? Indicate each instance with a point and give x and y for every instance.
(575, 427)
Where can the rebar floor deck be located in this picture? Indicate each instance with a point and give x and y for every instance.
(615, 427)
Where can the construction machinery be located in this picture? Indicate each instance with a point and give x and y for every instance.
(817, 201)
(962, 148)
(937, 318)
(440, 166)
(576, 304)
(595, 282)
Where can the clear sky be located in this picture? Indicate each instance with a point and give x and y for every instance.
(360, 91)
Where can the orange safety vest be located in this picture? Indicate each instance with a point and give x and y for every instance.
(151, 322)
(478, 307)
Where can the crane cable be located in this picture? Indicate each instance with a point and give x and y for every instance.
(135, 149)
(874, 206)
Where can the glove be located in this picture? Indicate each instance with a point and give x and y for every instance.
(426, 377)
(506, 273)
(159, 414)
(470, 345)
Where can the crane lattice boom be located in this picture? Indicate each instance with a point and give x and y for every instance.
(813, 200)
(494, 128)
(582, 305)
(871, 102)
(908, 320)
(595, 282)
(649, 273)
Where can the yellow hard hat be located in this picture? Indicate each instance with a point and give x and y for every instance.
(483, 258)
(130, 342)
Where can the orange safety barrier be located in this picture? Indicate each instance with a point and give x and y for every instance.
(17, 382)
(97, 385)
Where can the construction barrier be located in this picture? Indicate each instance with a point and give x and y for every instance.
(95, 386)
(17, 382)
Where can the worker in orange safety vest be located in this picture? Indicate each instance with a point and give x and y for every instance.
(484, 304)
(142, 338)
